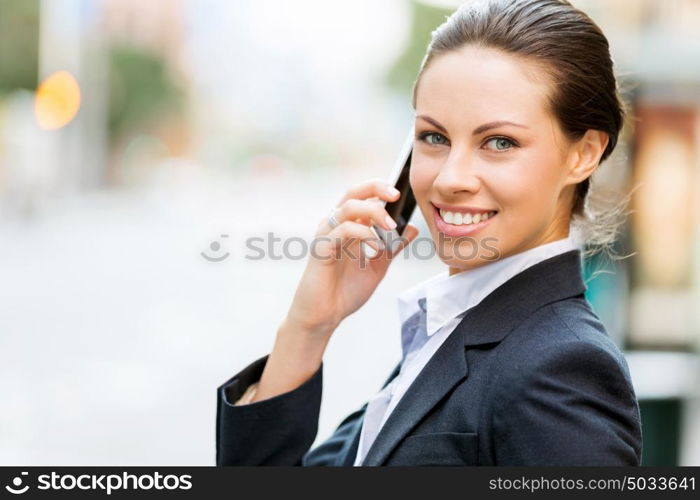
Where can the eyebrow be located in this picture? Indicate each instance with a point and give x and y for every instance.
(478, 130)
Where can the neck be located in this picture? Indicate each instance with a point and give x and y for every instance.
(552, 237)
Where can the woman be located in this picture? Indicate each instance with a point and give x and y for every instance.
(504, 361)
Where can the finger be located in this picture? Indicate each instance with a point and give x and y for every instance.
(358, 232)
(361, 211)
(365, 210)
(409, 234)
(368, 189)
(338, 238)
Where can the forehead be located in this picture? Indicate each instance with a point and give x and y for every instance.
(483, 83)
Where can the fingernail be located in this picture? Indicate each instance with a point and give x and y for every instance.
(390, 222)
(392, 191)
(369, 251)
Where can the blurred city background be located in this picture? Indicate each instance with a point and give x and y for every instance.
(138, 137)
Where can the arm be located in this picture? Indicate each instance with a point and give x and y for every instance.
(280, 430)
(247, 395)
(333, 451)
(274, 431)
(280, 420)
(570, 404)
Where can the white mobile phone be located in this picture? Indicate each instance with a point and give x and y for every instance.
(401, 209)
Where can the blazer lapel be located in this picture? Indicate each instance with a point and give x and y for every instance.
(488, 322)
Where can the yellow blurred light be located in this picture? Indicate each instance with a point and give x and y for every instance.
(57, 100)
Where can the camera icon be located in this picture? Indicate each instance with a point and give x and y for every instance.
(215, 246)
(17, 483)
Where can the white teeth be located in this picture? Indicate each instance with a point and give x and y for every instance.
(458, 218)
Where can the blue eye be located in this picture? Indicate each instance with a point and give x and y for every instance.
(501, 143)
(425, 135)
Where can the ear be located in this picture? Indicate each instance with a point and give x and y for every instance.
(585, 155)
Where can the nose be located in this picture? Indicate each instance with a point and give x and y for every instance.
(457, 175)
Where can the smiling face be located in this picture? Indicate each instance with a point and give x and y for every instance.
(486, 142)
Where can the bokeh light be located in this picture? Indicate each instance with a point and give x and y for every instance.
(57, 100)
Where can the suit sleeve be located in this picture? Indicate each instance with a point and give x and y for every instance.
(571, 404)
(248, 394)
(274, 431)
(279, 430)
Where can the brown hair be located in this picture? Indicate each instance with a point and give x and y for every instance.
(573, 52)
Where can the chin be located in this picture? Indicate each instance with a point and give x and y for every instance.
(466, 258)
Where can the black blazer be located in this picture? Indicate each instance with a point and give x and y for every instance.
(528, 377)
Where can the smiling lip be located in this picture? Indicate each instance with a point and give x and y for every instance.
(457, 231)
(462, 210)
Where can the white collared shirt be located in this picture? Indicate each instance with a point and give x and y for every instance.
(448, 299)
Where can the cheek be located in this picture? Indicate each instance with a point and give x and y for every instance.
(421, 178)
(528, 186)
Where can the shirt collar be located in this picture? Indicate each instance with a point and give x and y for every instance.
(450, 296)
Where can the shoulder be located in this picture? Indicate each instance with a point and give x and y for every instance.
(562, 344)
(567, 328)
(561, 392)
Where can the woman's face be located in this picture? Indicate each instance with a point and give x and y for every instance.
(485, 143)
